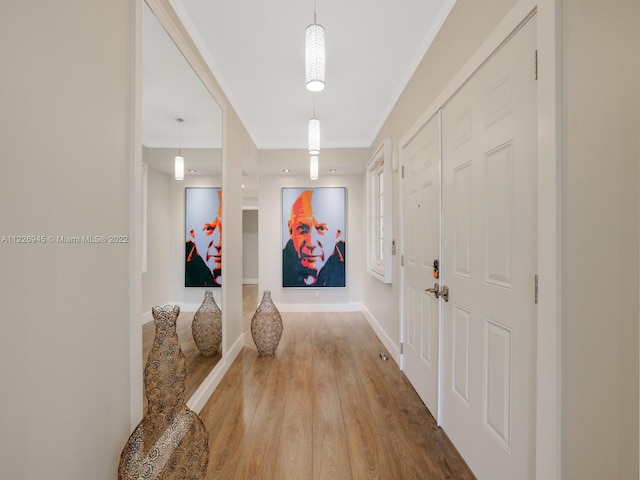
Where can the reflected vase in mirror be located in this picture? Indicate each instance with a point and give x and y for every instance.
(266, 326)
(170, 442)
(207, 326)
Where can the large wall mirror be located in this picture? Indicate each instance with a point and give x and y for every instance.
(171, 90)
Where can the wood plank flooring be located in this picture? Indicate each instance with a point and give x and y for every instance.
(324, 407)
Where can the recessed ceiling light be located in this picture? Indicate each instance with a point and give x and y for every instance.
(191, 170)
(243, 186)
(286, 170)
(333, 170)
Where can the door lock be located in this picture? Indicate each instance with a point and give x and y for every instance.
(445, 293)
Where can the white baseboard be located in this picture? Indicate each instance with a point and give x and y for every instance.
(319, 307)
(250, 281)
(393, 349)
(208, 386)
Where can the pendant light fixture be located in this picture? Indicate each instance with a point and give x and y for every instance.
(314, 132)
(314, 135)
(314, 55)
(313, 167)
(179, 161)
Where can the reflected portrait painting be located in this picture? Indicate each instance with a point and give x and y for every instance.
(313, 237)
(203, 232)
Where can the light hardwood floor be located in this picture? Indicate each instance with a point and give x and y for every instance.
(324, 407)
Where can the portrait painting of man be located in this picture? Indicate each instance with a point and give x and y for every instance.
(313, 237)
(203, 233)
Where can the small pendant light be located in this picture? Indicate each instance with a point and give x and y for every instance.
(314, 136)
(313, 167)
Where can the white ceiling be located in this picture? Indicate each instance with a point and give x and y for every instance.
(170, 90)
(255, 49)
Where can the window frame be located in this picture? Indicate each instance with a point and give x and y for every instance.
(379, 169)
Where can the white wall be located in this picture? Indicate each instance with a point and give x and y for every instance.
(250, 246)
(270, 254)
(250, 203)
(600, 239)
(155, 282)
(64, 362)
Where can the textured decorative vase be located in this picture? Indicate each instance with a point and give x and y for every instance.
(266, 326)
(207, 326)
(170, 442)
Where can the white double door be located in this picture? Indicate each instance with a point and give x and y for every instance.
(472, 358)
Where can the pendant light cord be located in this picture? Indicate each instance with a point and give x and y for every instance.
(179, 120)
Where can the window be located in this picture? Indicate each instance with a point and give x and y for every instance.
(379, 234)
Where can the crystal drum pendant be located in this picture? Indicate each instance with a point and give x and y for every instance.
(314, 56)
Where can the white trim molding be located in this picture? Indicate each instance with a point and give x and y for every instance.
(379, 221)
(201, 396)
(548, 368)
(319, 307)
(392, 348)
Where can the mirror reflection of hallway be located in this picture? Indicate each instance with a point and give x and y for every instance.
(172, 90)
(249, 305)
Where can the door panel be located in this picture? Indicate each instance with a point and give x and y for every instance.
(462, 212)
(489, 262)
(499, 212)
(497, 381)
(421, 246)
(461, 324)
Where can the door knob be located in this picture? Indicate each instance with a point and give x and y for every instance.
(444, 293)
(435, 290)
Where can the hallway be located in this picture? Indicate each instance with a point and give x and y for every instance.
(325, 406)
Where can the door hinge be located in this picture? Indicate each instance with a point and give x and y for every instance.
(402, 171)
(536, 67)
(401, 348)
(536, 289)
(402, 260)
